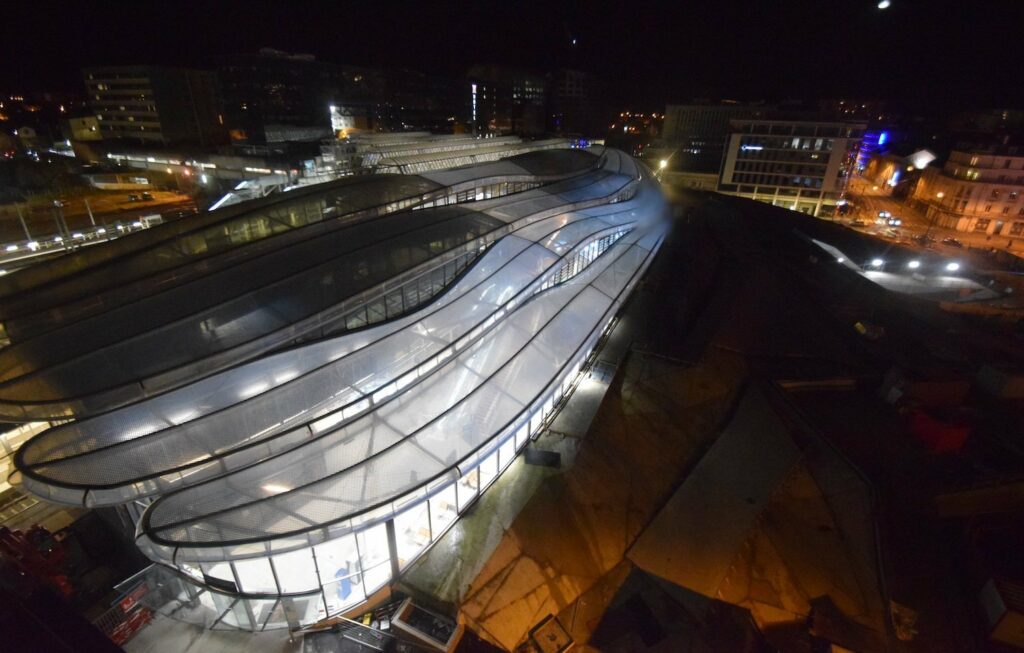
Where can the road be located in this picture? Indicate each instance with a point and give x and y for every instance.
(108, 207)
(869, 199)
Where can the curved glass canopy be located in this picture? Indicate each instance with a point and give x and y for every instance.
(151, 344)
(319, 471)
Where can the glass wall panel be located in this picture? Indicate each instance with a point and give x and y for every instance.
(412, 532)
(256, 576)
(219, 575)
(337, 558)
(375, 577)
(344, 593)
(262, 610)
(507, 452)
(468, 486)
(238, 616)
(489, 469)
(375, 557)
(303, 609)
(277, 618)
(218, 604)
(443, 510)
(296, 571)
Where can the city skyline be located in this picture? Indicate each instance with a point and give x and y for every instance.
(943, 56)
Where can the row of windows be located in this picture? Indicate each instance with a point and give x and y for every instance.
(143, 110)
(781, 168)
(997, 193)
(579, 261)
(139, 83)
(988, 209)
(1016, 229)
(775, 191)
(482, 193)
(751, 145)
(790, 129)
(116, 128)
(783, 156)
(1007, 163)
(409, 295)
(778, 180)
(972, 175)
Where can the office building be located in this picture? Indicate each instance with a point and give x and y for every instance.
(84, 128)
(410, 100)
(694, 135)
(577, 104)
(274, 97)
(506, 101)
(979, 189)
(801, 165)
(155, 105)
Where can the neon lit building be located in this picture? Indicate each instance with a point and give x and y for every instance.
(337, 391)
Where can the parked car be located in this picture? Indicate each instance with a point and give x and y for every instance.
(134, 198)
(858, 223)
(180, 213)
(952, 242)
(147, 196)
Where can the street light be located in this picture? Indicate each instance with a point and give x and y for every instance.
(662, 164)
(939, 195)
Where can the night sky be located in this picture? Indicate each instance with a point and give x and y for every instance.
(923, 53)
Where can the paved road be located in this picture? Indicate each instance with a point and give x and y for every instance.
(869, 199)
(107, 208)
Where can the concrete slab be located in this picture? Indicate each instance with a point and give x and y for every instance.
(166, 635)
(694, 539)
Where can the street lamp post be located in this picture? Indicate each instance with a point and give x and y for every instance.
(21, 219)
(939, 195)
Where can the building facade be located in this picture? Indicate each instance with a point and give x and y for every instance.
(273, 96)
(979, 189)
(156, 105)
(576, 103)
(694, 135)
(276, 97)
(506, 101)
(800, 165)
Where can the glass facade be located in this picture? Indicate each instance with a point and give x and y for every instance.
(798, 165)
(245, 301)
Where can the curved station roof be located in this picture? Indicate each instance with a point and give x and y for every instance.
(107, 327)
(430, 338)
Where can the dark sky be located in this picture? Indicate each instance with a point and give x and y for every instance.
(925, 52)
